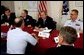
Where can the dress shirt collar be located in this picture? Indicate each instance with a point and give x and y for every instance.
(75, 20)
(18, 28)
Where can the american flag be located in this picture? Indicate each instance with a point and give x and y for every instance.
(42, 6)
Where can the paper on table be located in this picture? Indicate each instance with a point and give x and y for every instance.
(56, 39)
(44, 34)
(3, 35)
(48, 30)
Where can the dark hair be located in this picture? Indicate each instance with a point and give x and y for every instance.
(3, 9)
(75, 10)
(19, 23)
(25, 11)
(69, 34)
(7, 9)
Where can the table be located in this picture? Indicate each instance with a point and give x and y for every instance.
(79, 42)
(5, 30)
(44, 44)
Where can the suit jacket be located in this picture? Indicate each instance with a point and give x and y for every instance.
(29, 21)
(64, 50)
(48, 23)
(10, 20)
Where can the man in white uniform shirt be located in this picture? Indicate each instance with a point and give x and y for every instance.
(75, 22)
(17, 39)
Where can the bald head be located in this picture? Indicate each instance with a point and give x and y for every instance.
(18, 22)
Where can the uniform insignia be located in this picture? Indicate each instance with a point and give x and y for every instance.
(69, 23)
(80, 20)
(77, 24)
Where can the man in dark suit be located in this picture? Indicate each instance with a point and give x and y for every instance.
(29, 21)
(67, 37)
(7, 18)
(45, 21)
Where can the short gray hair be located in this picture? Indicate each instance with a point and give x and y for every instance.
(69, 34)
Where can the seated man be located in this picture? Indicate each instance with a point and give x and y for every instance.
(67, 37)
(7, 18)
(17, 38)
(45, 21)
(75, 22)
(29, 21)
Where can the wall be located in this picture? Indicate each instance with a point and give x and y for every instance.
(9, 4)
(19, 6)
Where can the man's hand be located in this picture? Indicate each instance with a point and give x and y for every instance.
(6, 23)
(41, 29)
(36, 28)
(3, 24)
(29, 26)
(36, 37)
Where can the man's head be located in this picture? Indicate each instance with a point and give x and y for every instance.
(7, 12)
(74, 14)
(19, 22)
(24, 13)
(43, 14)
(67, 35)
